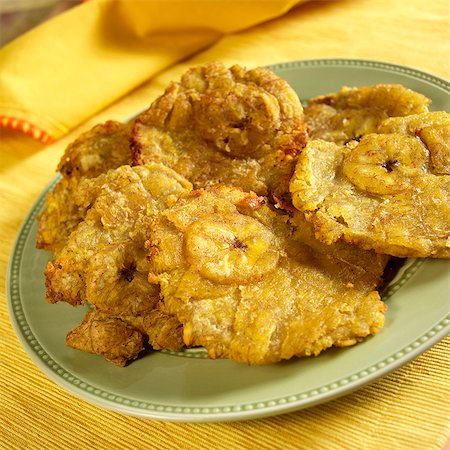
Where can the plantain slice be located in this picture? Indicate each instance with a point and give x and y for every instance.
(105, 251)
(252, 284)
(106, 146)
(122, 339)
(225, 125)
(433, 129)
(107, 336)
(379, 193)
(354, 112)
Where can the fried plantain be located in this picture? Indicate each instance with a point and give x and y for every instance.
(231, 126)
(104, 147)
(102, 253)
(378, 193)
(433, 129)
(354, 112)
(248, 285)
(111, 337)
(122, 339)
(223, 266)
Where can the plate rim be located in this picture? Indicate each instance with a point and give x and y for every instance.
(367, 64)
(243, 411)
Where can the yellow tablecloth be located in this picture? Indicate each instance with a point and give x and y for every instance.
(408, 409)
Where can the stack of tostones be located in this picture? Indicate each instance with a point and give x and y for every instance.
(281, 249)
(103, 262)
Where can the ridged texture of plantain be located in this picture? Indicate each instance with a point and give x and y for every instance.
(246, 284)
(122, 204)
(107, 336)
(354, 112)
(231, 126)
(103, 262)
(385, 192)
(106, 146)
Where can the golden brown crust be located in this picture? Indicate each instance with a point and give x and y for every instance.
(378, 194)
(122, 339)
(122, 204)
(354, 112)
(104, 263)
(247, 286)
(230, 126)
(105, 146)
(164, 331)
(107, 336)
(60, 216)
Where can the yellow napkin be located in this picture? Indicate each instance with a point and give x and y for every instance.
(57, 75)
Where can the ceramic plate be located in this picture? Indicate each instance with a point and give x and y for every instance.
(187, 386)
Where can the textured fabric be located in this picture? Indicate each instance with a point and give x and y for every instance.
(407, 409)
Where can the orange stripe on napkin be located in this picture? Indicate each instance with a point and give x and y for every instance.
(27, 128)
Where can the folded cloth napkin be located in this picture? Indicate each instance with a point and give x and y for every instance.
(69, 68)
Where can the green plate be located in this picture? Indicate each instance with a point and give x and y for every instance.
(187, 386)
